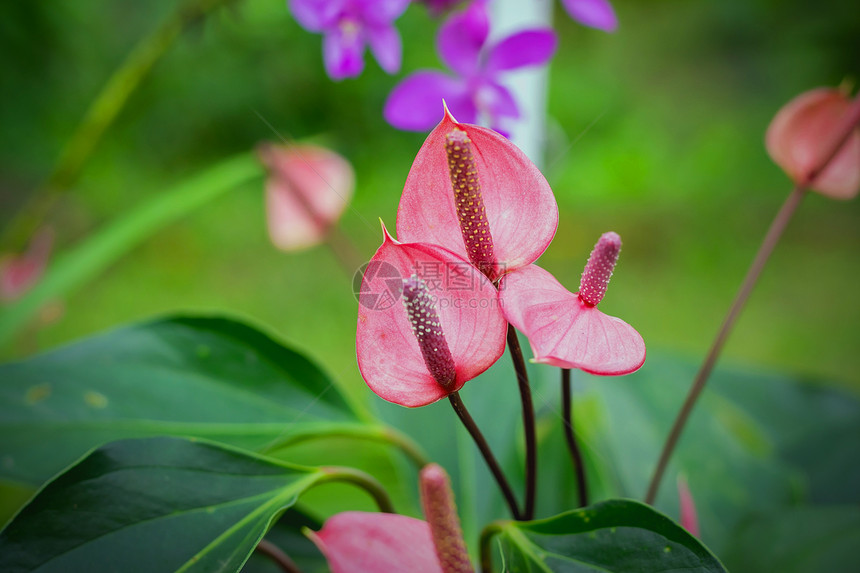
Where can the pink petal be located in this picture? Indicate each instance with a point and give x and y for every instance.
(804, 130)
(356, 541)
(315, 15)
(521, 209)
(462, 37)
(414, 104)
(18, 273)
(527, 48)
(389, 357)
(564, 331)
(343, 51)
(689, 519)
(307, 191)
(594, 13)
(385, 45)
(381, 12)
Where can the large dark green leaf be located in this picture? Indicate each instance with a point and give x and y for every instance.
(618, 536)
(153, 504)
(203, 377)
(797, 540)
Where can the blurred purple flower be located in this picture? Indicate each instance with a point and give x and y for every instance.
(474, 92)
(593, 13)
(347, 27)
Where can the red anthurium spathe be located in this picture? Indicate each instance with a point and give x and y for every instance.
(475, 193)
(18, 273)
(566, 329)
(428, 321)
(356, 541)
(306, 193)
(377, 543)
(805, 130)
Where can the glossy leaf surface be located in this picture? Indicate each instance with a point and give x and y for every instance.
(155, 504)
(204, 377)
(621, 536)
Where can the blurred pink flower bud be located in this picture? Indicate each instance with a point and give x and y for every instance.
(306, 193)
(805, 132)
(18, 273)
(689, 520)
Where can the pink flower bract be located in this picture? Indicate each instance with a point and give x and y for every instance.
(377, 543)
(390, 358)
(307, 191)
(563, 330)
(689, 519)
(804, 131)
(520, 207)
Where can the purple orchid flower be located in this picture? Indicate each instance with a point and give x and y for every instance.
(593, 13)
(347, 27)
(475, 92)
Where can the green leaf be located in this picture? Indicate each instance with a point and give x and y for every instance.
(620, 536)
(75, 267)
(797, 540)
(201, 377)
(287, 535)
(156, 504)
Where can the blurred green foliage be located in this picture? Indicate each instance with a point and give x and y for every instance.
(656, 133)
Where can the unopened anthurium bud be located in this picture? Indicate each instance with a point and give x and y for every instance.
(598, 270)
(689, 519)
(475, 193)
(566, 329)
(307, 190)
(420, 339)
(19, 273)
(441, 513)
(806, 130)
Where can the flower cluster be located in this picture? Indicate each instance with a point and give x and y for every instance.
(475, 91)
(474, 202)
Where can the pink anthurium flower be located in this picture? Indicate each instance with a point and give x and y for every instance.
(475, 91)
(428, 322)
(566, 329)
(475, 193)
(383, 542)
(806, 129)
(689, 519)
(307, 190)
(18, 273)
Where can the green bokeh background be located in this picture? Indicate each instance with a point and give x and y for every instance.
(678, 101)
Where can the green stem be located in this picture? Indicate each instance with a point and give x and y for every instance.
(528, 421)
(572, 446)
(780, 222)
(486, 550)
(362, 480)
(383, 434)
(102, 112)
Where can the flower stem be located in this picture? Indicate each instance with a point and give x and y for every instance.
(575, 454)
(275, 553)
(851, 120)
(484, 447)
(528, 422)
(101, 114)
(362, 480)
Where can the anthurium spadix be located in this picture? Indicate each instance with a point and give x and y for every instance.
(428, 321)
(566, 329)
(475, 193)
